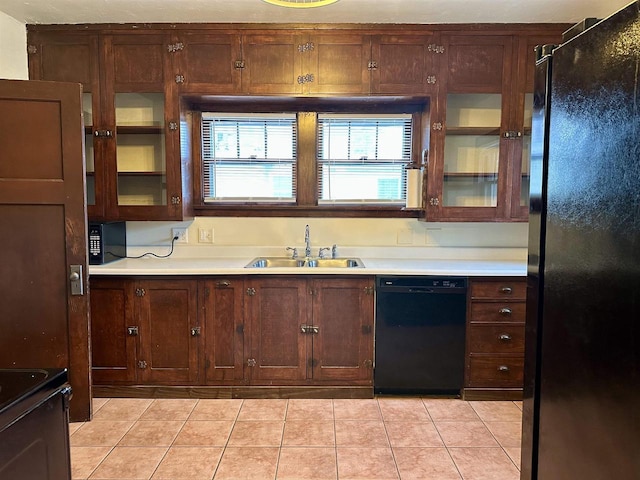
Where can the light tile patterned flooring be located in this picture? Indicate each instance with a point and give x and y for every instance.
(382, 438)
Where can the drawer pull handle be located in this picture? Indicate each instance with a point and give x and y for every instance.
(505, 311)
(506, 290)
(504, 337)
(503, 368)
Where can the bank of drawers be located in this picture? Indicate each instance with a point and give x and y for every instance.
(495, 333)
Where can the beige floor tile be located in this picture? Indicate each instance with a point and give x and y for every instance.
(403, 410)
(465, 434)
(204, 432)
(300, 463)
(310, 409)
(192, 463)
(366, 464)
(356, 433)
(98, 403)
(74, 426)
(425, 464)
(484, 464)
(356, 409)
(508, 434)
(309, 434)
(169, 409)
(216, 409)
(151, 433)
(263, 409)
(123, 409)
(514, 454)
(413, 434)
(256, 434)
(100, 433)
(493, 411)
(449, 410)
(131, 463)
(247, 463)
(84, 460)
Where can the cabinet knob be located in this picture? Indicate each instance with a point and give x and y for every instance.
(506, 290)
(223, 284)
(506, 311)
(195, 331)
(503, 368)
(504, 337)
(133, 331)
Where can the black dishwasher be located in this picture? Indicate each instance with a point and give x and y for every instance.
(420, 335)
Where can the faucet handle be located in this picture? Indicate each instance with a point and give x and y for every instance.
(334, 251)
(294, 252)
(322, 250)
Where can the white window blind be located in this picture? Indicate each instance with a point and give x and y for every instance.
(249, 157)
(362, 158)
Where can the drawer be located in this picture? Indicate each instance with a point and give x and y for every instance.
(496, 371)
(484, 312)
(493, 290)
(496, 339)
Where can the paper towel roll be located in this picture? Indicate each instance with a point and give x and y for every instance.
(414, 188)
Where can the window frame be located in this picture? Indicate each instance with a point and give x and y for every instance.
(306, 168)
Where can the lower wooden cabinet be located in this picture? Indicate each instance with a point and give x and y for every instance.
(144, 331)
(495, 338)
(237, 331)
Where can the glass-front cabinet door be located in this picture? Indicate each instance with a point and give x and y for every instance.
(89, 155)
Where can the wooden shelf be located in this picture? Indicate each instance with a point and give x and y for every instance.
(141, 174)
(473, 131)
(470, 175)
(139, 130)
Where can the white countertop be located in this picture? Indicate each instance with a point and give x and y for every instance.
(461, 262)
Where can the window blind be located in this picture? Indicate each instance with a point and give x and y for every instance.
(249, 157)
(362, 158)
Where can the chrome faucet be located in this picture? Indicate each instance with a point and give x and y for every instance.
(322, 250)
(307, 242)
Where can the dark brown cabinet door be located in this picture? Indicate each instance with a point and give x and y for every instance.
(343, 315)
(404, 64)
(337, 64)
(209, 63)
(114, 331)
(272, 64)
(222, 308)
(277, 309)
(170, 335)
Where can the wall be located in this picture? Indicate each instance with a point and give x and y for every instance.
(13, 50)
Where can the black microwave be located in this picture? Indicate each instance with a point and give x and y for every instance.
(107, 242)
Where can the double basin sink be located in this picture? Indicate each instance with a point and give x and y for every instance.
(286, 262)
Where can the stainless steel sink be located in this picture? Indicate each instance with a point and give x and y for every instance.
(285, 262)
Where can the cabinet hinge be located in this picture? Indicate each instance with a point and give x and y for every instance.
(176, 200)
(434, 201)
(195, 331)
(308, 78)
(207, 292)
(306, 47)
(173, 126)
(179, 78)
(142, 364)
(133, 331)
(251, 362)
(368, 290)
(367, 363)
(32, 49)
(175, 47)
(102, 133)
(251, 291)
(372, 65)
(431, 79)
(437, 126)
(207, 363)
(140, 292)
(309, 329)
(512, 134)
(240, 329)
(432, 47)
(239, 64)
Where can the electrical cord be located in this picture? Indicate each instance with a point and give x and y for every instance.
(173, 241)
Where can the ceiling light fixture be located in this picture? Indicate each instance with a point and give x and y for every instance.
(301, 3)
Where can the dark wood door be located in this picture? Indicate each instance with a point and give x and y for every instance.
(343, 315)
(221, 303)
(170, 336)
(404, 64)
(114, 331)
(43, 232)
(277, 308)
(337, 64)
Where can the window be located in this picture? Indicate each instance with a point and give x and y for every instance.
(362, 158)
(249, 157)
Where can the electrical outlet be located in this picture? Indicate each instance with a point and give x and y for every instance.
(205, 235)
(181, 233)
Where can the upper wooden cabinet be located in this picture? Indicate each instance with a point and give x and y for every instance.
(133, 164)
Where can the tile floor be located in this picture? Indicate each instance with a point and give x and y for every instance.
(382, 438)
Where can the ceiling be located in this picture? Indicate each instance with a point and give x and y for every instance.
(344, 11)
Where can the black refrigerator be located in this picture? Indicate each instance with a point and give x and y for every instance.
(581, 409)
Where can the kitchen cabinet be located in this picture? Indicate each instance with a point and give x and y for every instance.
(145, 331)
(310, 330)
(221, 304)
(495, 338)
(134, 168)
